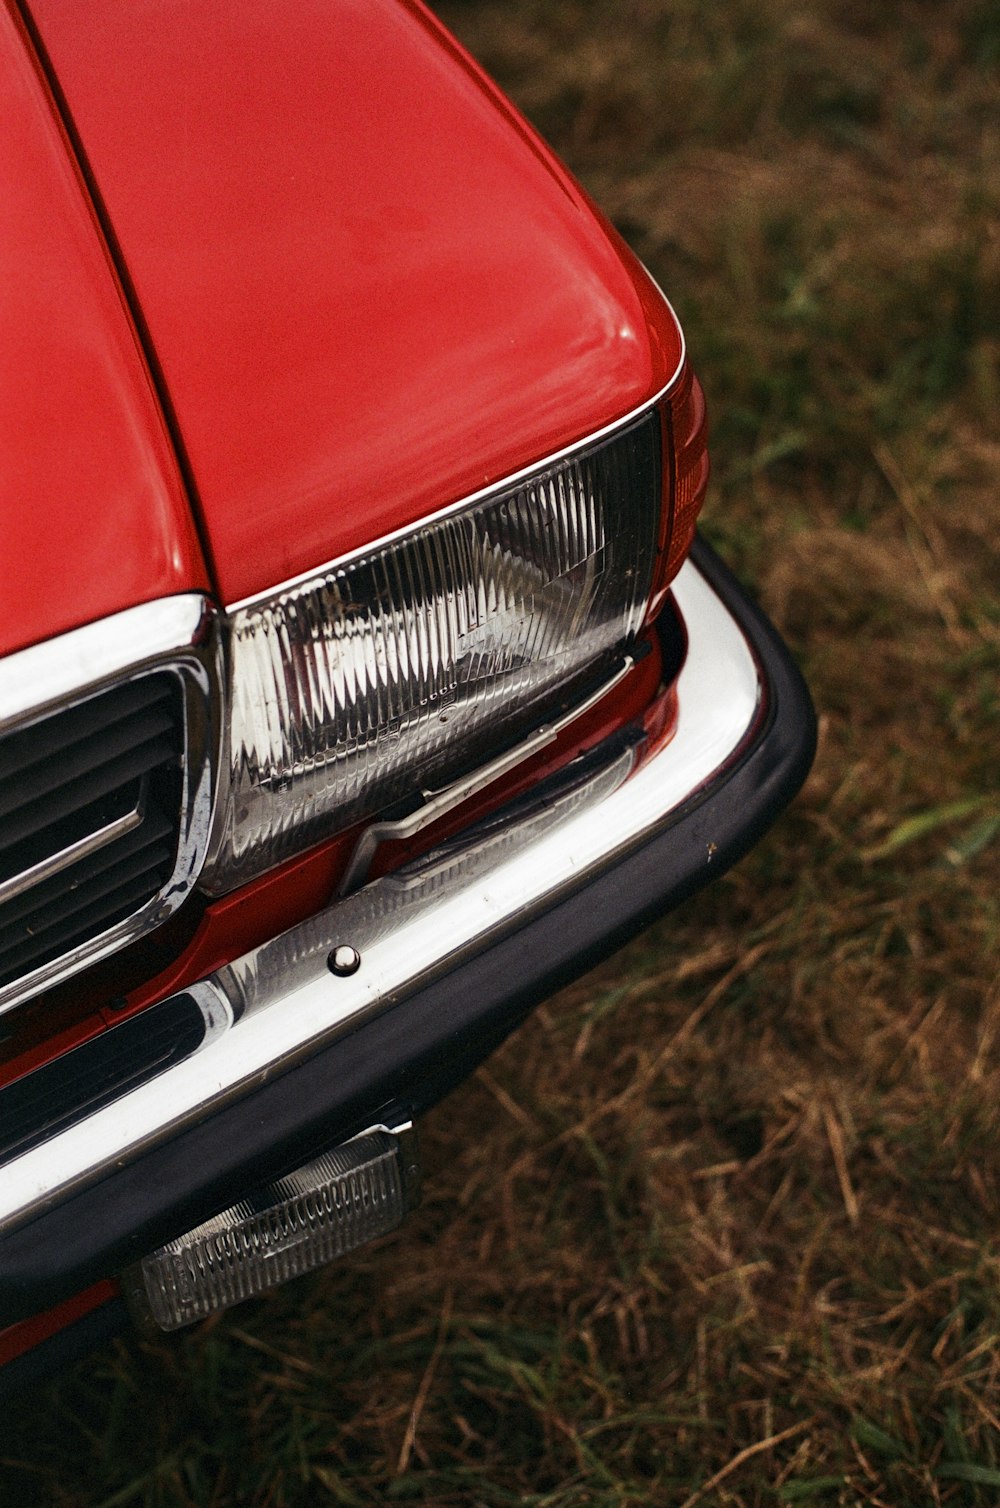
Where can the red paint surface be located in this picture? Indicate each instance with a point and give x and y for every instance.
(370, 289)
(93, 518)
(17, 1339)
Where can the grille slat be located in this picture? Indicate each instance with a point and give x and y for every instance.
(75, 796)
(64, 896)
(82, 759)
(63, 886)
(66, 933)
(53, 735)
(65, 779)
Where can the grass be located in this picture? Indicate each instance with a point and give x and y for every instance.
(722, 1223)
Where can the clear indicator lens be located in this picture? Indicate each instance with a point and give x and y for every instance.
(332, 1206)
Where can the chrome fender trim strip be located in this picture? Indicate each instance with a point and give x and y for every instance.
(285, 1000)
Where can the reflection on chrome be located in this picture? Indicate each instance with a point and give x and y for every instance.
(435, 804)
(403, 904)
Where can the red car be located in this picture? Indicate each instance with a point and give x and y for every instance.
(363, 679)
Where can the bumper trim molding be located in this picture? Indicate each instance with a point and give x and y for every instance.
(541, 908)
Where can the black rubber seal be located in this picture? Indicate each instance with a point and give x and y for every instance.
(73, 1086)
(405, 1060)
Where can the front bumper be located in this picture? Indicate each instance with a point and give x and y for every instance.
(454, 950)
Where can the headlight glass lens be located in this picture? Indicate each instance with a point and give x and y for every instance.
(399, 667)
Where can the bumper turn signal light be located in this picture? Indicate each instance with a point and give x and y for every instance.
(344, 1199)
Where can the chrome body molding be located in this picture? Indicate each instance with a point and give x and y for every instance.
(179, 636)
(284, 1000)
(437, 803)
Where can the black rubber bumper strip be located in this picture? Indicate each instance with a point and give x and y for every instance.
(405, 1060)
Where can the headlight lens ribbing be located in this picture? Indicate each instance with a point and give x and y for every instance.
(406, 663)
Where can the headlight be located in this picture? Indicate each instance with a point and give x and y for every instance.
(399, 666)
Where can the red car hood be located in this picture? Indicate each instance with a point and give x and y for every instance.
(367, 288)
(94, 516)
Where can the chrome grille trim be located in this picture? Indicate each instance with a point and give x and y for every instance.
(65, 858)
(176, 637)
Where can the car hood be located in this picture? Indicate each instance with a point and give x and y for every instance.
(366, 288)
(95, 517)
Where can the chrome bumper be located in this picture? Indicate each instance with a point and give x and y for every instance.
(285, 1002)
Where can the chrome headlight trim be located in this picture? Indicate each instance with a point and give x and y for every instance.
(178, 636)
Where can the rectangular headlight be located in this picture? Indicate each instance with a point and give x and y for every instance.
(413, 660)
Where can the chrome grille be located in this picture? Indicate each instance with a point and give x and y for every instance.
(108, 752)
(89, 806)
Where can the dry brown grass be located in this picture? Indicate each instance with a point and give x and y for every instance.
(722, 1223)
